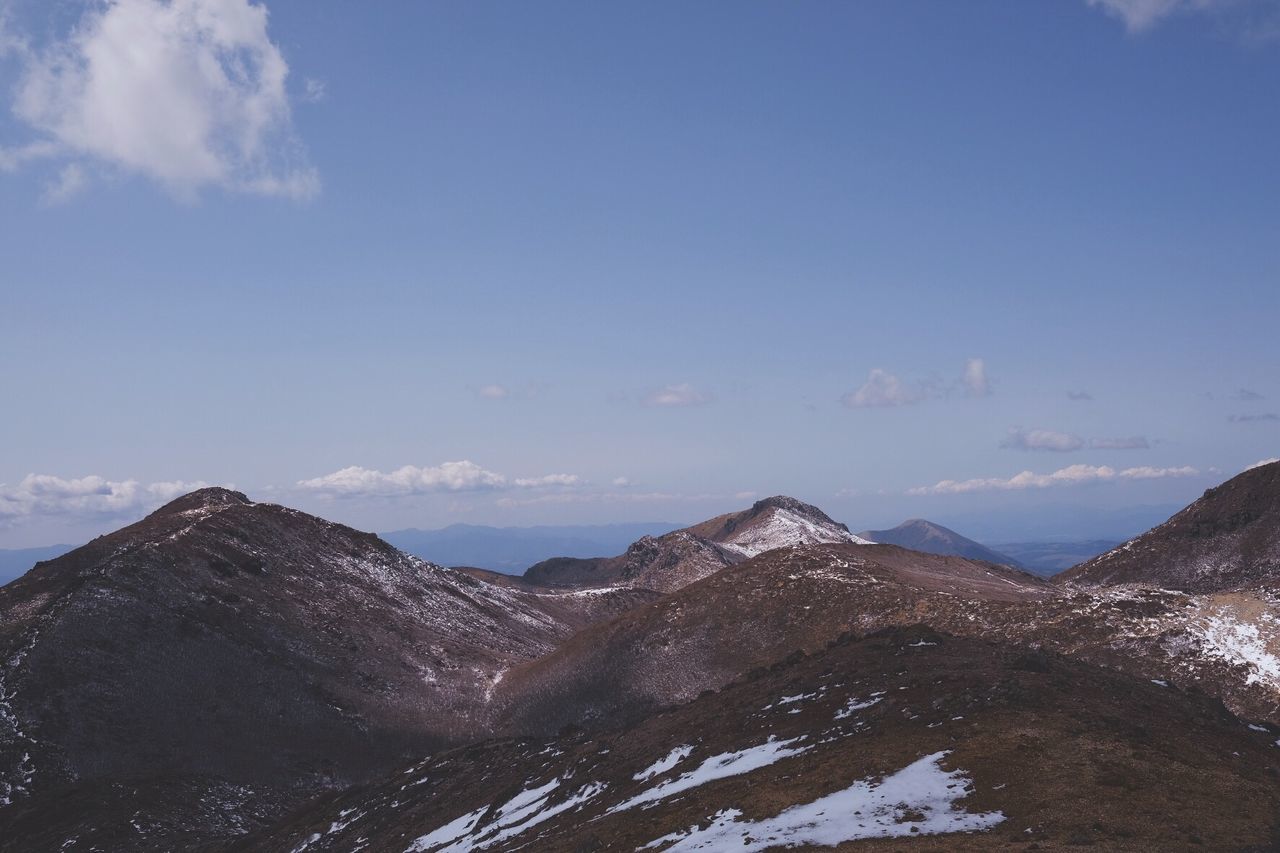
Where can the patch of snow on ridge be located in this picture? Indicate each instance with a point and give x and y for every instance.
(856, 704)
(1241, 644)
(784, 529)
(662, 765)
(920, 799)
(522, 812)
(717, 767)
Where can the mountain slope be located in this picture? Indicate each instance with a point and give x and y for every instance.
(670, 562)
(1228, 539)
(221, 646)
(921, 535)
(907, 739)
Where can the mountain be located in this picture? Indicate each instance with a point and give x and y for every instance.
(667, 563)
(514, 549)
(230, 658)
(923, 740)
(921, 535)
(1049, 558)
(14, 563)
(1228, 539)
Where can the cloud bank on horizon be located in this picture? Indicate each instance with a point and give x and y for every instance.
(1072, 475)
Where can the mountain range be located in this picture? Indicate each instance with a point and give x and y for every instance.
(232, 675)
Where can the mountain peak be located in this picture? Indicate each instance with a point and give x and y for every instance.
(921, 534)
(791, 504)
(213, 496)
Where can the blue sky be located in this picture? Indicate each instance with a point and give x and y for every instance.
(635, 261)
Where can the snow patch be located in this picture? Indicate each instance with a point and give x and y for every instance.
(662, 765)
(522, 812)
(718, 767)
(920, 799)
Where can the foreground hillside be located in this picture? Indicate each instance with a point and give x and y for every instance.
(229, 658)
(903, 740)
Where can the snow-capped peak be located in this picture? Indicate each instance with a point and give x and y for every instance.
(784, 528)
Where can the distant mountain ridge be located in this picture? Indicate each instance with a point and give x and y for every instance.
(670, 562)
(919, 534)
(15, 562)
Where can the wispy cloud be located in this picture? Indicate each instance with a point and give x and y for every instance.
(884, 389)
(189, 93)
(314, 91)
(44, 494)
(1248, 395)
(672, 396)
(974, 380)
(1133, 442)
(1065, 442)
(1072, 475)
(1255, 18)
(464, 476)
(1265, 417)
(1042, 439)
(548, 480)
(493, 392)
(1079, 395)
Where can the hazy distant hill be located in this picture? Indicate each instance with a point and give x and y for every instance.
(918, 534)
(15, 563)
(1049, 558)
(514, 549)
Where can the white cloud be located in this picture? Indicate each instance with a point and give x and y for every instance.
(621, 482)
(683, 394)
(493, 392)
(464, 476)
(975, 380)
(1262, 462)
(189, 93)
(1042, 439)
(44, 494)
(408, 480)
(1069, 476)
